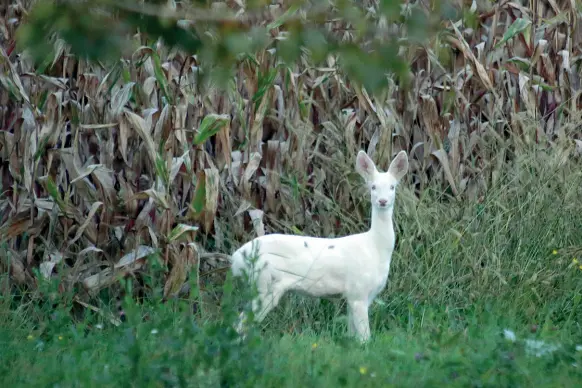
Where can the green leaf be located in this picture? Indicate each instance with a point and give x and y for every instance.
(522, 63)
(210, 126)
(289, 48)
(366, 69)
(162, 170)
(161, 76)
(470, 19)
(40, 151)
(518, 26)
(53, 191)
(88, 34)
(265, 82)
(179, 230)
(390, 9)
(237, 43)
(156, 26)
(418, 24)
(317, 44)
(539, 81)
(286, 15)
(200, 194)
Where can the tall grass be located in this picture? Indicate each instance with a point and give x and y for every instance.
(513, 247)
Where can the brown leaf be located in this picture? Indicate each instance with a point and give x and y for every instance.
(256, 132)
(17, 225)
(123, 136)
(273, 178)
(462, 45)
(212, 192)
(139, 125)
(182, 263)
(430, 118)
(83, 227)
(111, 318)
(120, 99)
(257, 220)
(130, 262)
(251, 168)
(441, 155)
(223, 146)
(17, 271)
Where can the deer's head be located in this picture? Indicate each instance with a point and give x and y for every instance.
(382, 185)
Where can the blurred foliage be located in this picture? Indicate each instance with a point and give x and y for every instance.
(102, 29)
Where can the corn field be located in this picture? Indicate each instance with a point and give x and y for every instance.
(103, 166)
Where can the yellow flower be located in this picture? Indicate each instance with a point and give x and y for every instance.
(313, 346)
(29, 337)
(575, 260)
(363, 370)
(554, 252)
(580, 267)
(60, 337)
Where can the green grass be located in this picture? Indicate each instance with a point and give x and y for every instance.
(461, 274)
(436, 348)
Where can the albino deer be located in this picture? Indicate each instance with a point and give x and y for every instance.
(354, 267)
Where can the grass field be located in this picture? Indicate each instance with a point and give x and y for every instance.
(430, 346)
(462, 274)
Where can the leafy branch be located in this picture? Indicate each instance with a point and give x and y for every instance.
(222, 34)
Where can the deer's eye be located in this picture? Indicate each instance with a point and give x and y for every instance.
(373, 187)
(391, 187)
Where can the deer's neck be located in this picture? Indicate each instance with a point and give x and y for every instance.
(382, 230)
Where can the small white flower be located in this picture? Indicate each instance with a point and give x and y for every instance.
(154, 331)
(539, 348)
(99, 326)
(509, 335)
(579, 348)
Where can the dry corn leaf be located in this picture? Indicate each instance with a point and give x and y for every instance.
(441, 155)
(46, 267)
(94, 207)
(212, 190)
(257, 220)
(132, 261)
(17, 271)
(114, 320)
(462, 45)
(250, 170)
(182, 263)
(139, 125)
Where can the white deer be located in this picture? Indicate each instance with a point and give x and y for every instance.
(354, 267)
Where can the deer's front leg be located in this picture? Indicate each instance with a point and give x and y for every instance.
(359, 319)
(351, 328)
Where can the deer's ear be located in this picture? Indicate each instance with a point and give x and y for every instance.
(399, 166)
(365, 166)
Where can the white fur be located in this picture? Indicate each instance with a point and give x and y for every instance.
(355, 267)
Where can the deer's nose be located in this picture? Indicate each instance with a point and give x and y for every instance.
(382, 202)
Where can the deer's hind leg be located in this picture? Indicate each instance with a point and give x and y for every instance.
(270, 291)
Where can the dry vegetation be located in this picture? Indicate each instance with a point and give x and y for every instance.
(102, 165)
